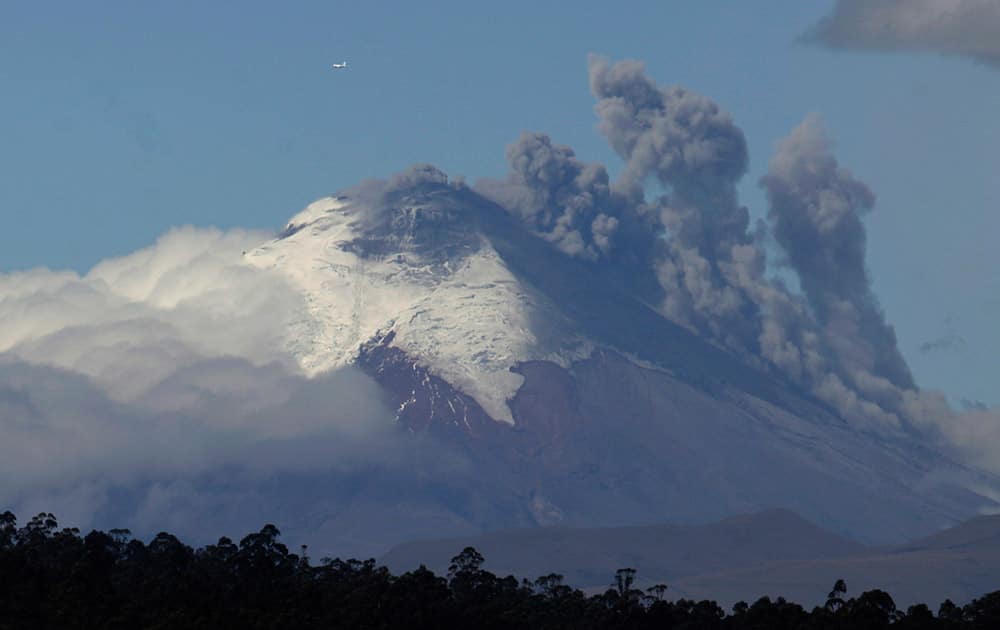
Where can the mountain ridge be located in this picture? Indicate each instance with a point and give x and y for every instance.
(736, 541)
(770, 553)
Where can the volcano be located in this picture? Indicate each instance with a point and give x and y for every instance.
(565, 396)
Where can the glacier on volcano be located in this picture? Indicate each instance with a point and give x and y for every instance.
(421, 270)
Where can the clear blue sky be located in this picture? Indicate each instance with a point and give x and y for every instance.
(121, 119)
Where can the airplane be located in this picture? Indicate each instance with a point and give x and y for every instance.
(339, 66)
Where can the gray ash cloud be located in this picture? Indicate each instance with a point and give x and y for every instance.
(695, 237)
(815, 213)
(561, 198)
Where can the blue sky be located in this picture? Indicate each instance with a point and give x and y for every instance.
(121, 119)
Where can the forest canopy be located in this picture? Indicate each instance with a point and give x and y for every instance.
(52, 577)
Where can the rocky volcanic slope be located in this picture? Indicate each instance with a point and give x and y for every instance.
(568, 399)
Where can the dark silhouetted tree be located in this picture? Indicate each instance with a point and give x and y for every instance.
(835, 600)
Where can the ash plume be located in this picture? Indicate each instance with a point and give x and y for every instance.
(694, 149)
(558, 197)
(815, 212)
(682, 138)
(416, 175)
(696, 239)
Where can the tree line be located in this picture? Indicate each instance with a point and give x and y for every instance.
(53, 577)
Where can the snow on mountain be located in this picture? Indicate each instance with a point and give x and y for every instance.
(425, 274)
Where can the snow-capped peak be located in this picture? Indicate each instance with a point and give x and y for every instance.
(415, 264)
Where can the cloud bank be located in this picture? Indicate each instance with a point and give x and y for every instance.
(152, 373)
(131, 320)
(969, 28)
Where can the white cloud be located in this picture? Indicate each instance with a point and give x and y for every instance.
(189, 296)
(161, 367)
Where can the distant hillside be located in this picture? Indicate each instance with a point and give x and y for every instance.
(773, 553)
(660, 553)
(958, 563)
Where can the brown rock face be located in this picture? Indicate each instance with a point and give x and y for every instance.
(424, 402)
(546, 407)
